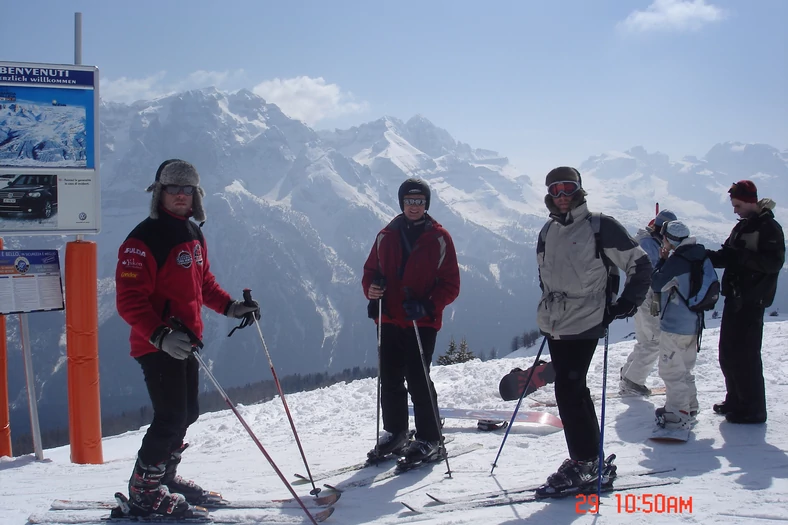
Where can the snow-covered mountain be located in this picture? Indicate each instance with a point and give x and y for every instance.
(292, 214)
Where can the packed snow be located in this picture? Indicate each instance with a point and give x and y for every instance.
(731, 473)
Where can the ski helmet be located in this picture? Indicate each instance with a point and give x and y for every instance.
(413, 187)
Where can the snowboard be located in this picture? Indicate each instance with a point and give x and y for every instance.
(667, 435)
(533, 417)
(656, 391)
(512, 384)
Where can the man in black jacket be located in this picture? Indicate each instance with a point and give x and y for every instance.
(752, 257)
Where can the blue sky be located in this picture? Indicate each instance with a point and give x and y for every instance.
(544, 83)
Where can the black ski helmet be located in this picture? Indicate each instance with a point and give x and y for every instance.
(413, 187)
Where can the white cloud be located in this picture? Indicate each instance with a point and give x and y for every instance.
(130, 90)
(309, 99)
(673, 15)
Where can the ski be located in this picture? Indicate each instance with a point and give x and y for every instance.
(94, 518)
(526, 498)
(288, 503)
(509, 492)
(302, 479)
(393, 472)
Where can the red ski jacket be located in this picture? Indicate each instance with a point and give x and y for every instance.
(431, 271)
(163, 271)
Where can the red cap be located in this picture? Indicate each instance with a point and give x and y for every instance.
(745, 191)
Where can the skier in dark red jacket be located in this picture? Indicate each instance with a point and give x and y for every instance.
(163, 271)
(413, 268)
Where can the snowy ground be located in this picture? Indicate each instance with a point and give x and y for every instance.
(732, 473)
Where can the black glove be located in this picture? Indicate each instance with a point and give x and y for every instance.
(415, 309)
(175, 343)
(239, 309)
(621, 309)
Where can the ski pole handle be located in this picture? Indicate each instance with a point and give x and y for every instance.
(247, 297)
(179, 325)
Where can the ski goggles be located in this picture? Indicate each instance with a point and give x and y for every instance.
(414, 202)
(175, 190)
(563, 187)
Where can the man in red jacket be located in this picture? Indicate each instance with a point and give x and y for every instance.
(413, 268)
(163, 271)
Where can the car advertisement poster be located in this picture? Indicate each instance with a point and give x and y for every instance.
(48, 149)
(30, 281)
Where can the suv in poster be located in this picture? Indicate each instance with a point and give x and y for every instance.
(30, 194)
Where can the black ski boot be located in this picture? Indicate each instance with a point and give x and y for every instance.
(420, 451)
(147, 495)
(389, 444)
(193, 493)
(574, 477)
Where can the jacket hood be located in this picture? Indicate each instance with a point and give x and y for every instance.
(691, 250)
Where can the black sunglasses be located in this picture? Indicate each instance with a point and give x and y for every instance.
(175, 190)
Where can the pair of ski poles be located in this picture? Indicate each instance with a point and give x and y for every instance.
(430, 386)
(197, 344)
(602, 418)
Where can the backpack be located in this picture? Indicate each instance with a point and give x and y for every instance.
(704, 286)
(613, 278)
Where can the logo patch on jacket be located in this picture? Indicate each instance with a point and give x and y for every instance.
(184, 259)
(135, 251)
(132, 263)
(128, 275)
(198, 254)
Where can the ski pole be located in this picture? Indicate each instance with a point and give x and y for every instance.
(522, 395)
(247, 294)
(602, 422)
(432, 395)
(196, 346)
(377, 417)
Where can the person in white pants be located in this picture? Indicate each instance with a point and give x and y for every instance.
(680, 326)
(640, 361)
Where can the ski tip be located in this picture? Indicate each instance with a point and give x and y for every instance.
(323, 515)
(435, 498)
(333, 487)
(412, 509)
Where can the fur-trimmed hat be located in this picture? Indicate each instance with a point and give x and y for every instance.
(745, 191)
(177, 172)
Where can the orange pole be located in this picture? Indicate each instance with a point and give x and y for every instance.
(5, 415)
(84, 404)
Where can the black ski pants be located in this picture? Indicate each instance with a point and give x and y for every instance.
(400, 360)
(571, 359)
(741, 335)
(173, 387)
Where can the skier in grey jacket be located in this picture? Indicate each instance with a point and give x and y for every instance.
(576, 267)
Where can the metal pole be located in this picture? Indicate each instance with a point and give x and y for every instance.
(433, 395)
(30, 381)
(516, 408)
(251, 433)
(78, 38)
(600, 468)
(377, 417)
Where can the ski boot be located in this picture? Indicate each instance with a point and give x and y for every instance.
(147, 495)
(390, 443)
(627, 387)
(420, 451)
(193, 493)
(574, 477)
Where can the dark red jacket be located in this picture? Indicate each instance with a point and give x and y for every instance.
(163, 271)
(431, 271)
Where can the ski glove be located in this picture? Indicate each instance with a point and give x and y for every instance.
(621, 309)
(239, 309)
(415, 310)
(175, 343)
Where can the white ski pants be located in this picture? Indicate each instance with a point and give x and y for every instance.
(640, 361)
(678, 354)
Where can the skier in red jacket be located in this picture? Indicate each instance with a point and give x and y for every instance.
(413, 268)
(163, 271)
